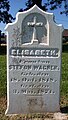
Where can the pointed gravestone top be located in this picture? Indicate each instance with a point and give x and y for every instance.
(34, 46)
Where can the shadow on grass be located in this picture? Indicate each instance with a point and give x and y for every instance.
(3, 50)
(65, 47)
(64, 109)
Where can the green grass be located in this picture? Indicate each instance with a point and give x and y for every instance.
(64, 81)
(3, 75)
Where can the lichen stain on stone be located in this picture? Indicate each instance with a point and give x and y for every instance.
(34, 104)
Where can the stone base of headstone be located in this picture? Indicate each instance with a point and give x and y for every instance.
(60, 116)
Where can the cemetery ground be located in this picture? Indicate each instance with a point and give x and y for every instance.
(63, 98)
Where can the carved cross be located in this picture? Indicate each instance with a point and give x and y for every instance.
(34, 24)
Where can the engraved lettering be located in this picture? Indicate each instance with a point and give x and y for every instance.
(32, 52)
(42, 52)
(13, 52)
(26, 52)
(51, 52)
(37, 52)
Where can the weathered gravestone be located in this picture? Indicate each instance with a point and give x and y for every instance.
(33, 63)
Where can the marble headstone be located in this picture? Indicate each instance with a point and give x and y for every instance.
(34, 46)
